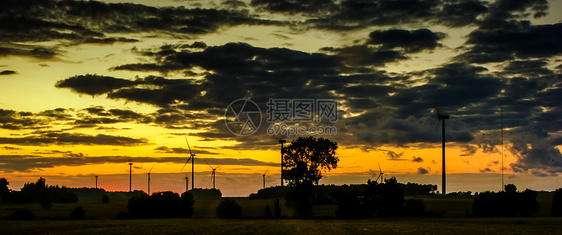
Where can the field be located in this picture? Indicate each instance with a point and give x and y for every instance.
(286, 226)
(102, 219)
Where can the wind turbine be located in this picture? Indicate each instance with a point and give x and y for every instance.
(444, 175)
(192, 158)
(213, 173)
(149, 178)
(264, 177)
(380, 174)
(96, 181)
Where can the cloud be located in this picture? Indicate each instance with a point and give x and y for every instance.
(409, 41)
(485, 170)
(422, 171)
(92, 84)
(23, 163)
(8, 72)
(60, 138)
(417, 159)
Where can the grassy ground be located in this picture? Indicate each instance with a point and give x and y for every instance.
(215, 226)
(448, 206)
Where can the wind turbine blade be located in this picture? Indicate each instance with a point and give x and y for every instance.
(190, 153)
(152, 168)
(380, 171)
(209, 165)
(266, 171)
(185, 163)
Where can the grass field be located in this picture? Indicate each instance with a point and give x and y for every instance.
(286, 226)
(448, 206)
(101, 219)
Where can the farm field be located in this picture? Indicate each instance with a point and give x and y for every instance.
(286, 226)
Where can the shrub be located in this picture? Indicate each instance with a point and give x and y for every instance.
(414, 208)
(161, 205)
(229, 209)
(78, 214)
(22, 215)
(104, 199)
(350, 207)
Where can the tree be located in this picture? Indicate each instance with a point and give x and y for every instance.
(4, 190)
(277, 209)
(305, 157)
(78, 214)
(229, 209)
(556, 209)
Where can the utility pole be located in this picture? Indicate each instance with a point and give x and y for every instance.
(282, 141)
(443, 176)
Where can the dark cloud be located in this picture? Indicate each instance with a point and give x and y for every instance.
(8, 72)
(409, 41)
(422, 171)
(13, 120)
(294, 7)
(498, 45)
(92, 84)
(195, 150)
(22, 163)
(61, 138)
(417, 159)
(37, 52)
(485, 170)
(88, 22)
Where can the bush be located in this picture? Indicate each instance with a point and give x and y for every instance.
(78, 214)
(104, 199)
(350, 207)
(267, 213)
(557, 203)
(277, 209)
(161, 205)
(229, 209)
(509, 203)
(300, 198)
(22, 215)
(414, 208)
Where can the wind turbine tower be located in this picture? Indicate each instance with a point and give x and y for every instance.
(443, 176)
(186, 183)
(96, 181)
(192, 158)
(282, 142)
(130, 176)
(380, 174)
(149, 178)
(263, 176)
(212, 174)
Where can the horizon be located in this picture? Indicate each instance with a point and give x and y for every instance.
(88, 87)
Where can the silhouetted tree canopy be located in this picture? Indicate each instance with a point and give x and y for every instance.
(78, 214)
(305, 157)
(4, 190)
(161, 205)
(557, 203)
(42, 193)
(509, 203)
(229, 209)
(383, 200)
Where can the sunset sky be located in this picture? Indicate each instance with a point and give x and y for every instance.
(88, 86)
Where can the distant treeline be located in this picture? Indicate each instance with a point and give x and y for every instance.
(332, 194)
(37, 192)
(159, 205)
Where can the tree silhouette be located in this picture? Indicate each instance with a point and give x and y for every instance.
(4, 190)
(78, 214)
(305, 157)
(229, 209)
(277, 209)
(557, 203)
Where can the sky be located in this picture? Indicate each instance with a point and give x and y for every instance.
(88, 86)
